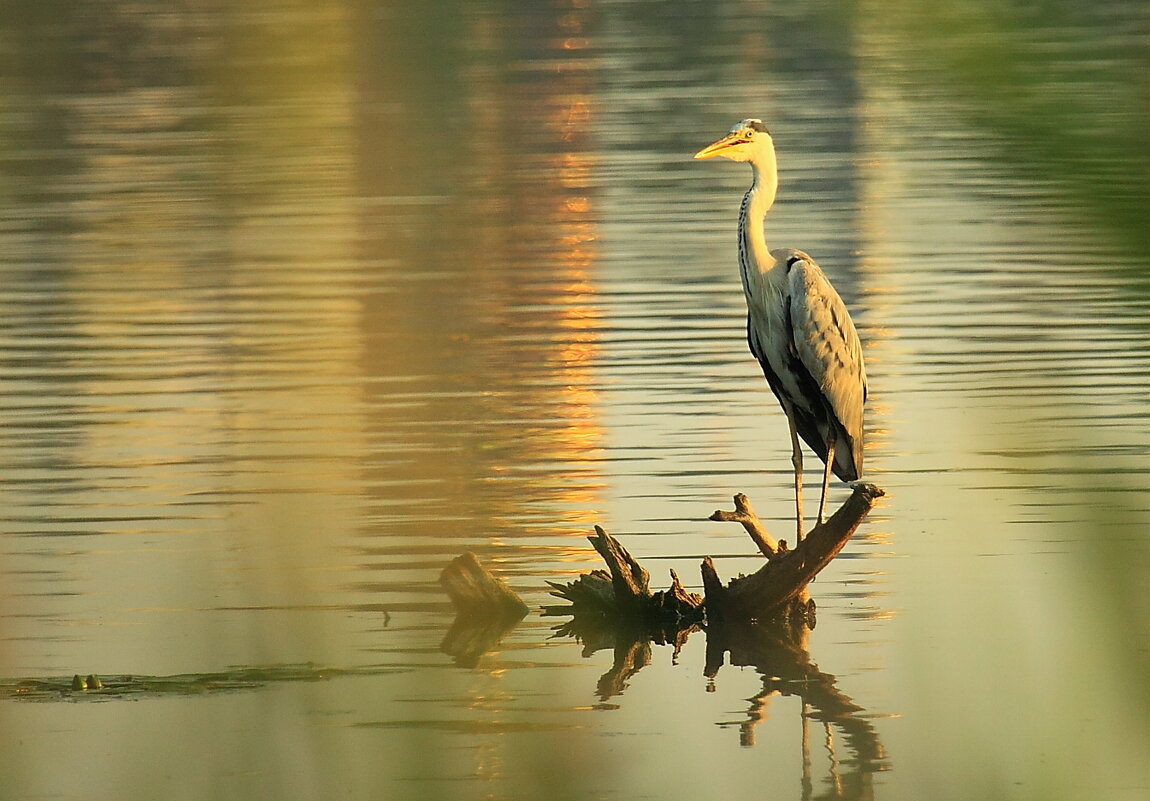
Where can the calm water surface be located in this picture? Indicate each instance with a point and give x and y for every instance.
(298, 303)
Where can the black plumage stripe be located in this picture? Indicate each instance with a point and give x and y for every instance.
(827, 424)
(812, 413)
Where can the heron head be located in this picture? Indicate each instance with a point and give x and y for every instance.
(744, 142)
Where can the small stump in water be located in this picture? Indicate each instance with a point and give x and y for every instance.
(485, 609)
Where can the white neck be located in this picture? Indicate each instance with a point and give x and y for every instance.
(758, 201)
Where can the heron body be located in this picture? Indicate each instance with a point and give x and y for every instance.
(797, 327)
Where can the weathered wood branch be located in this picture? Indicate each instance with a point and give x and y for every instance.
(621, 595)
(788, 573)
(744, 514)
(629, 579)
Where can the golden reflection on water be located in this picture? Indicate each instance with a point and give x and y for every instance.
(194, 353)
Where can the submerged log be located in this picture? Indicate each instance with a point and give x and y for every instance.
(744, 514)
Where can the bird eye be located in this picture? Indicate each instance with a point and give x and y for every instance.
(749, 134)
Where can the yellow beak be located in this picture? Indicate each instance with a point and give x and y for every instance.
(716, 148)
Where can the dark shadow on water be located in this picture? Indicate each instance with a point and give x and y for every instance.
(92, 687)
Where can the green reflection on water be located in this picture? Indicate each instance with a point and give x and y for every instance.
(1060, 90)
(1061, 87)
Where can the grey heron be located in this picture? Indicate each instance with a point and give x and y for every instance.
(797, 326)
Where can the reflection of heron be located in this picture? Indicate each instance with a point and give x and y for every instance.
(779, 653)
(797, 326)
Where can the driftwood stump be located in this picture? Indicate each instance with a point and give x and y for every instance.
(621, 595)
(474, 591)
(622, 592)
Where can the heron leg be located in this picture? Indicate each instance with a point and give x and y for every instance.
(827, 473)
(797, 461)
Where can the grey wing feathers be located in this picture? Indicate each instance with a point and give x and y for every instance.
(826, 342)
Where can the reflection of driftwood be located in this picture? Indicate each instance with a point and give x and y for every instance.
(622, 591)
(631, 645)
(630, 657)
(486, 609)
(472, 636)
